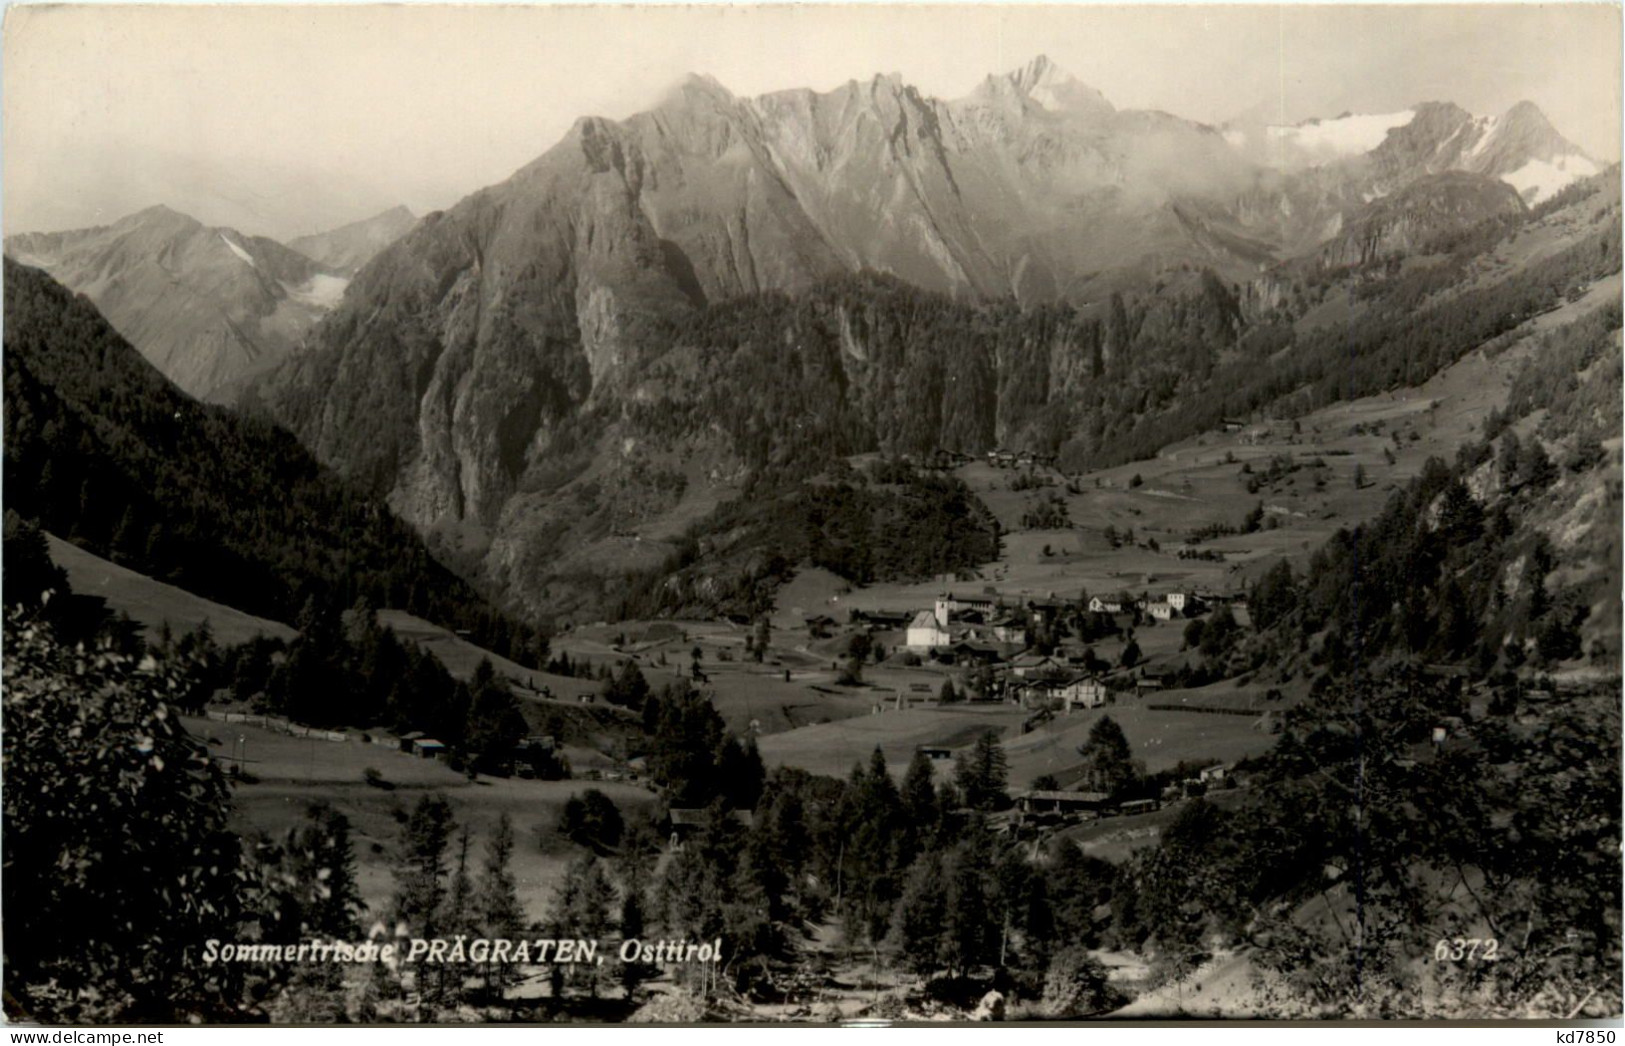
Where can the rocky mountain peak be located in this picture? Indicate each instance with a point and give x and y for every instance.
(159, 216)
(1039, 71)
(697, 90)
(1046, 85)
(1534, 134)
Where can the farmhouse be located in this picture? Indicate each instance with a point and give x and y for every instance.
(1032, 665)
(687, 822)
(950, 605)
(1010, 630)
(428, 748)
(1078, 692)
(1188, 604)
(1038, 693)
(935, 752)
(882, 619)
(1055, 802)
(1105, 606)
(967, 651)
(1046, 609)
(1160, 611)
(1086, 692)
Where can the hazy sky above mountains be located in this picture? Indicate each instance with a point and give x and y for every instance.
(290, 120)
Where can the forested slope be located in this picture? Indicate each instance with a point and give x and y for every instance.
(102, 450)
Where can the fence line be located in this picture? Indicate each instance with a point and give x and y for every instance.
(1209, 709)
(281, 726)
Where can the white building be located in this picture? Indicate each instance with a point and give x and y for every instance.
(1161, 611)
(1085, 692)
(949, 605)
(926, 633)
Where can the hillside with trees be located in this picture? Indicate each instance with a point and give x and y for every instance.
(101, 450)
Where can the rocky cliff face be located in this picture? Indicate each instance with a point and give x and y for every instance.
(1405, 221)
(210, 308)
(504, 344)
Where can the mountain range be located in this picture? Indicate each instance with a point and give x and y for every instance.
(500, 369)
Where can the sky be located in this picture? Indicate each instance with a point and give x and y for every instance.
(289, 120)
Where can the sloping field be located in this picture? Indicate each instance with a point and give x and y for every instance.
(291, 773)
(461, 657)
(1161, 739)
(152, 603)
(832, 748)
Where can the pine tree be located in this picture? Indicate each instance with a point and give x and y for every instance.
(971, 921)
(632, 927)
(1108, 758)
(460, 919)
(497, 902)
(337, 907)
(582, 906)
(919, 801)
(916, 937)
(420, 868)
(983, 774)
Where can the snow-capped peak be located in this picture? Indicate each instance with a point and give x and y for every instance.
(1047, 85)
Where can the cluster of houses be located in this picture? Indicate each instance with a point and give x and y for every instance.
(982, 630)
(1168, 607)
(1000, 458)
(1009, 459)
(1066, 804)
(528, 758)
(976, 625)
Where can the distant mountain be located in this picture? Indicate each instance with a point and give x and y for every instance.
(209, 307)
(349, 247)
(1383, 151)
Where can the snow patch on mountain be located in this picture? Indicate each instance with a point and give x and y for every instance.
(1344, 136)
(322, 290)
(1539, 179)
(238, 251)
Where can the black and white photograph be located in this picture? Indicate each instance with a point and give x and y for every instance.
(811, 514)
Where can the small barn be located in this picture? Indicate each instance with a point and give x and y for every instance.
(1060, 802)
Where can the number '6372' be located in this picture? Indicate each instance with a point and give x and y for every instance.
(1467, 949)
